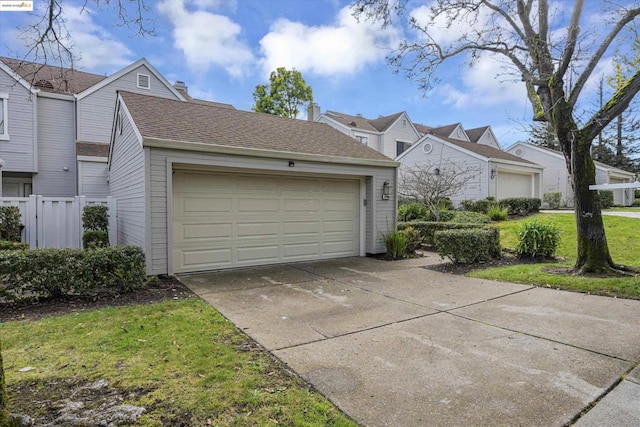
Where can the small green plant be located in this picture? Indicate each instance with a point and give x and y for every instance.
(537, 239)
(396, 243)
(411, 211)
(468, 246)
(554, 200)
(96, 224)
(10, 228)
(498, 213)
(414, 239)
(606, 198)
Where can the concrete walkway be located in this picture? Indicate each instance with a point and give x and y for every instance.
(395, 344)
(604, 212)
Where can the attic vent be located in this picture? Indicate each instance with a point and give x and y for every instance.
(44, 84)
(352, 124)
(519, 152)
(144, 82)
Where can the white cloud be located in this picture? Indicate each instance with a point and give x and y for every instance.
(207, 39)
(345, 47)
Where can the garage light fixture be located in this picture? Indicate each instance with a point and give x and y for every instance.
(291, 163)
(493, 173)
(386, 188)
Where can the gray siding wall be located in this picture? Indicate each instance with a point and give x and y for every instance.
(93, 179)
(382, 217)
(56, 149)
(476, 188)
(395, 133)
(18, 152)
(95, 112)
(127, 185)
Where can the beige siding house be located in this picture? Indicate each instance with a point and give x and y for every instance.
(556, 176)
(205, 187)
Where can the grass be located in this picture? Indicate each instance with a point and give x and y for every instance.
(624, 245)
(187, 359)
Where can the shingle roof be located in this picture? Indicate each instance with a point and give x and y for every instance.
(53, 79)
(423, 129)
(382, 123)
(92, 149)
(357, 122)
(174, 120)
(475, 134)
(560, 153)
(444, 131)
(188, 97)
(487, 151)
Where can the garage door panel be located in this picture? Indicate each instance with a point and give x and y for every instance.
(514, 185)
(261, 219)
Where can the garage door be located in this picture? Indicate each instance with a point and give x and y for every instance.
(514, 185)
(224, 220)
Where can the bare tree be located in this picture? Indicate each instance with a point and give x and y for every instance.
(431, 183)
(519, 33)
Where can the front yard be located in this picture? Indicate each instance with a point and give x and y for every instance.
(623, 236)
(179, 359)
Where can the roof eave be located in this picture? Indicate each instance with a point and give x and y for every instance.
(515, 163)
(254, 152)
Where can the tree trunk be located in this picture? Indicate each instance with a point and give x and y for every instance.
(593, 251)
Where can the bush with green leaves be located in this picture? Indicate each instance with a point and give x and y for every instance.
(497, 213)
(468, 246)
(464, 217)
(426, 229)
(636, 203)
(411, 211)
(606, 198)
(46, 273)
(521, 205)
(554, 199)
(396, 243)
(480, 206)
(637, 193)
(414, 239)
(92, 239)
(10, 228)
(6, 245)
(95, 220)
(537, 239)
(443, 216)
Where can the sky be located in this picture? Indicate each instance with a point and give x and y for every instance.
(222, 49)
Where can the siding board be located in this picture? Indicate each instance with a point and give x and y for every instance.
(18, 152)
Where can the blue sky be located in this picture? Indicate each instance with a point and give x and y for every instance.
(223, 48)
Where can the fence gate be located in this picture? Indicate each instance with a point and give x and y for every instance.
(56, 222)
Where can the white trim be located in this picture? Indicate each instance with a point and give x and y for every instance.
(169, 174)
(363, 216)
(148, 241)
(17, 78)
(148, 77)
(444, 142)
(347, 129)
(54, 95)
(406, 117)
(4, 99)
(254, 152)
(121, 106)
(127, 69)
(515, 163)
(92, 159)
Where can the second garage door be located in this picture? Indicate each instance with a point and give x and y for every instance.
(514, 185)
(224, 219)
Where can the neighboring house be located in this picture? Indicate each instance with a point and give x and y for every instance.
(203, 187)
(556, 177)
(497, 173)
(50, 115)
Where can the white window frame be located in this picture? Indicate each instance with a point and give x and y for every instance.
(4, 131)
(148, 86)
(408, 144)
(363, 139)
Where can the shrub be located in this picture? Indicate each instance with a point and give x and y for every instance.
(554, 200)
(92, 239)
(637, 193)
(43, 273)
(498, 213)
(426, 229)
(10, 228)
(480, 206)
(95, 218)
(413, 239)
(444, 216)
(468, 246)
(445, 204)
(537, 239)
(469, 218)
(636, 203)
(606, 198)
(6, 245)
(396, 243)
(411, 211)
(521, 205)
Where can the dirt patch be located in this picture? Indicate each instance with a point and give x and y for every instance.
(164, 289)
(506, 260)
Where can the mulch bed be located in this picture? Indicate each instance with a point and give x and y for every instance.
(164, 289)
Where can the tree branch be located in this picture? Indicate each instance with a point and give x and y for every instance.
(572, 38)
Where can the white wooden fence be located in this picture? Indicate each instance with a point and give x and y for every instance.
(56, 222)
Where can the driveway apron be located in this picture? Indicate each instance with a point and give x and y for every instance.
(397, 344)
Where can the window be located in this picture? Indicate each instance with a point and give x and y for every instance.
(363, 139)
(144, 82)
(119, 123)
(4, 120)
(401, 147)
(404, 122)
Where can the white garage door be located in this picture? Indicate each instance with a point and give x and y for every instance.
(514, 185)
(223, 220)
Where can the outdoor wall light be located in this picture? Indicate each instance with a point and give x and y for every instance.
(493, 173)
(291, 163)
(386, 189)
(436, 171)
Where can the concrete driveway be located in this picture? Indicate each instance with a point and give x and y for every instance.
(395, 344)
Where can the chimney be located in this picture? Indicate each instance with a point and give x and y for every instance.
(313, 112)
(179, 85)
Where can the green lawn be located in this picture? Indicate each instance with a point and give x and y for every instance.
(623, 235)
(181, 360)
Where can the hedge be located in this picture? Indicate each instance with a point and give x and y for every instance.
(428, 228)
(45, 273)
(521, 205)
(6, 245)
(480, 206)
(468, 246)
(554, 199)
(10, 228)
(606, 198)
(92, 239)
